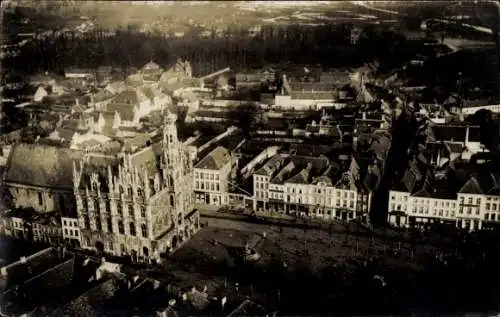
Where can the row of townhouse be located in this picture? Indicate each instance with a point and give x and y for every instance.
(466, 199)
(311, 186)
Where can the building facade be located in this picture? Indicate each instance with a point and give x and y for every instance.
(212, 177)
(308, 186)
(475, 206)
(141, 204)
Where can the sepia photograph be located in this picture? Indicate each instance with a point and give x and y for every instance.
(249, 158)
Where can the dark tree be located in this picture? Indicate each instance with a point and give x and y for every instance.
(245, 117)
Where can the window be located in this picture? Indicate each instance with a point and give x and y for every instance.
(86, 222)
(144, 230)
(132, 229)
(486, 216)
(139, 192)
(98, 224)
(469, 201)
(131, 210)
(172, 202)
(108, 206)
(143, 211)
(96, 206)
(66, 231)
(478, 201)
(119, 209)
(217, 186)
(85, 204)
(40, 198)
(122, 248)
(64, 223)
(121, 228)
(109, 224)
(129, 191)
(76, 233)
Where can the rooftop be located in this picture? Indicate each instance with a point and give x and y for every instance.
(49, 167)
(215, 160)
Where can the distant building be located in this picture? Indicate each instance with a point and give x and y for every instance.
(310, 95)
(104, 73)
(245, 80)
(355, 35)
(40, 93)
(134, 104)
(212, 177)
(151, 72)
(79, 73)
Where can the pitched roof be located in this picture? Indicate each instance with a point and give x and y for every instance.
(22, 272)
(313, 95)
(471, 187)
(215, 160)
(271, 166)
(90, 303)
(150, 66)
(46, 291)
(48, 166)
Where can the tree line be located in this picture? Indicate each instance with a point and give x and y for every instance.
(326, 45)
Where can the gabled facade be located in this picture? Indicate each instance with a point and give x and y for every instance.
(309, 186)
(212, 177)
(141, 204)
(470, 203)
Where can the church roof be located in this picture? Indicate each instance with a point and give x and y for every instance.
(215, 160)
(48, 166)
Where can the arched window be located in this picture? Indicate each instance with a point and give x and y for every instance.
(144, 231)
(132, 229)
(139, 192)
(121, 228)
(86, 222)
(119, 208)
(98, 224)
(129, 191)
(85, 204)
(109, 224)
(96, 206)
(131, 210)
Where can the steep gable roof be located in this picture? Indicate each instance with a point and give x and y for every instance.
(303, 177)
(215, 160)
(50, 167)
(471, 187)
